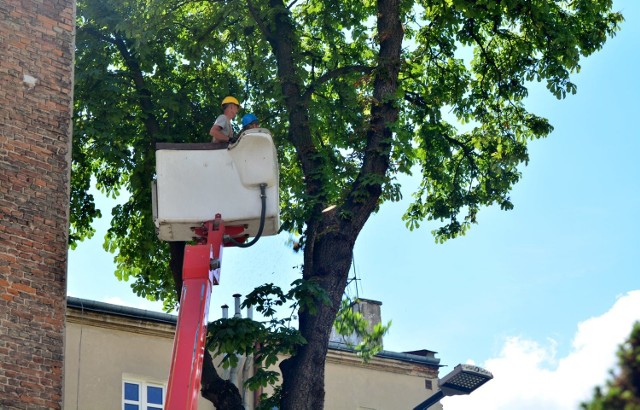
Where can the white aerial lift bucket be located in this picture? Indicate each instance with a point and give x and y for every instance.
(194, 182)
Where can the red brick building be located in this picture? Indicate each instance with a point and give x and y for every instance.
(36, 86)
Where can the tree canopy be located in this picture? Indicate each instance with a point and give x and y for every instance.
(355, 93)
(622, 390)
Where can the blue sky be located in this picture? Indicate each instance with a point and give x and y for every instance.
(544, 292)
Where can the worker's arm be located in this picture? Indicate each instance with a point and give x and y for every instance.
(217, 134)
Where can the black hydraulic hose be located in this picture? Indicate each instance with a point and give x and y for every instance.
(263, 198)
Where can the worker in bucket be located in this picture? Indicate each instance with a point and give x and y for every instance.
(222, 131)
(249, 121)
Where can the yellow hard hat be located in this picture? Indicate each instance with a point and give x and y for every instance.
(230, 100)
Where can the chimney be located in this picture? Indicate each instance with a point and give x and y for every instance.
(370, 310)
(236, 298)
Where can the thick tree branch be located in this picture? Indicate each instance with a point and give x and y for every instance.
(302, 389)
(384, 113)
(257, 17)
(210, 29)
(281, 35)
(336, 73)
(135, 72)
(222, 393)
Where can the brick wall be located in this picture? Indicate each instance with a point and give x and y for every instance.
(36, 82)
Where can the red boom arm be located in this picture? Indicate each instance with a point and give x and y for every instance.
(200, 271)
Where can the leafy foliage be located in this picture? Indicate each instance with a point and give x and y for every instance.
(264, 342)
(351, 322)
(154, 71)
(622, 390)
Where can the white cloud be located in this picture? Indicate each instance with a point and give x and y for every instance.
(528, 375)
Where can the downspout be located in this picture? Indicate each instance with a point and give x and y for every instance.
(233, 372)
(225, 315)
(248, 362)
(258, 392)
(236, 298)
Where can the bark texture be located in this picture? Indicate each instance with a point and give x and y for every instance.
(329, 237)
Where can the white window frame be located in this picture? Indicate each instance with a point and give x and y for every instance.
(142, 385)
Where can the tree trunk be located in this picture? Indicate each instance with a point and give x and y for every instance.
(303, 374)
(330, 238)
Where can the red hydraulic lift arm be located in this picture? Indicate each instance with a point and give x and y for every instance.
(200, 271)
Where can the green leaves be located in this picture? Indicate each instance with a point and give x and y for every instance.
(154, 70)
(351, 322)
(303, 295)
(264, 342)
(622, 390)
(308, 295)
(476, 163)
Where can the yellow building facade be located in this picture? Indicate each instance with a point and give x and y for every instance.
(118, 358)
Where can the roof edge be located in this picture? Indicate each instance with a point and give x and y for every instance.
(118, 310)
(142, 314)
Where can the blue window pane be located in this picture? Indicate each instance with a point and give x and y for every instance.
(131, 407)
(153, 408)
(131, 392)
(154, 395)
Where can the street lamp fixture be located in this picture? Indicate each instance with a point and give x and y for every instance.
(463, 379)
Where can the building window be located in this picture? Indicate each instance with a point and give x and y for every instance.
(137, 395)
